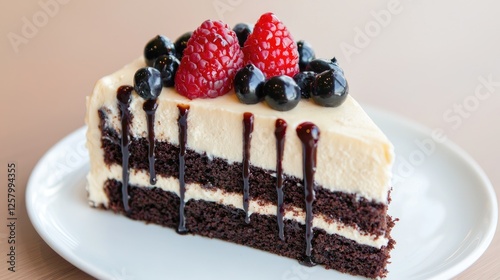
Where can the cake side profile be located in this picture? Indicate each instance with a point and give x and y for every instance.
(310, 183)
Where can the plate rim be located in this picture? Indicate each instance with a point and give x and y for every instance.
(72, 258)
(452, 271)
(487, 186)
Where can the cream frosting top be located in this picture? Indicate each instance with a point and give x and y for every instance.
(353, 156)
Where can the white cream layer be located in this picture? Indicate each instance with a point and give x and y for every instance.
(197, 192)
(354, 156)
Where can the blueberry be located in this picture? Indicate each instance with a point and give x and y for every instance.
(248, 84)
(147, 82)
(242, 31)
(330, 89)
(167, 65)
(336, 66)
(306, 54)
(320, 65)
(281, 93)
(180, 44)
(156, 47)
(305, 81)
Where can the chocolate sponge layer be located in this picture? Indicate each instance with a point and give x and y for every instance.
(153, 205)
(368, 216)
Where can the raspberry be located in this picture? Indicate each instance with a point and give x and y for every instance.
(210, 61)
(271, 48)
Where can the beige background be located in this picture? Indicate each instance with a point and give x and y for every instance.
(422, 63)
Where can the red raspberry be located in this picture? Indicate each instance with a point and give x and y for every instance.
(271, 48)
(210, 61)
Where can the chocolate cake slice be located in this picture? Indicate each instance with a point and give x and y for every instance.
(310, 183)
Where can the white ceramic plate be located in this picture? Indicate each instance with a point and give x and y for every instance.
(446, 205)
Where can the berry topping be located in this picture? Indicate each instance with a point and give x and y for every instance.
(180, 44)
(210, 61)
(306, 54)
(242, 31)
(321, 65)
(167, 65)
(281, 93)
(248, 84)
(330, 89)
(147, 82)
(159, 45)
(271, 48)
(305, 81)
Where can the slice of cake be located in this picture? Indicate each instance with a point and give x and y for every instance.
(294, 167)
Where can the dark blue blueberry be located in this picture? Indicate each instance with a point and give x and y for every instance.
(248, 84)
(167, 65)
(147, 82)
(156, 47)
(305, 81)
(320, 65)
(282, 93)
(306, 54)
(242, 31)
(180, 44)
(330, 89)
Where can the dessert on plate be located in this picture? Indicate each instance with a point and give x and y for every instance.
(244, 135)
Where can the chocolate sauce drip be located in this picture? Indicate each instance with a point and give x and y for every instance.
(182, 122)
(280, 132)
(123, 95)
(247, 137)
(150, 109)
(309, 136)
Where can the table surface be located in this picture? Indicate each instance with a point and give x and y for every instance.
(423, 60)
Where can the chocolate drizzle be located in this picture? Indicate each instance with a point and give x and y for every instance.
(280, 132)
(150, 109)
(307, 132)
(309, 136)
(247, 137)
(182, 122)
(123, 95)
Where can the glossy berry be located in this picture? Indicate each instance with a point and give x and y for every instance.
(306, 54)
(167, 65)
(242, 30)
(248, 84)
(147, 82)
(181, 43)
(281, 93)
(210, 61)
(271, 48)
(159, 45)
(305, 81)
(330, 89)
(320, 65)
